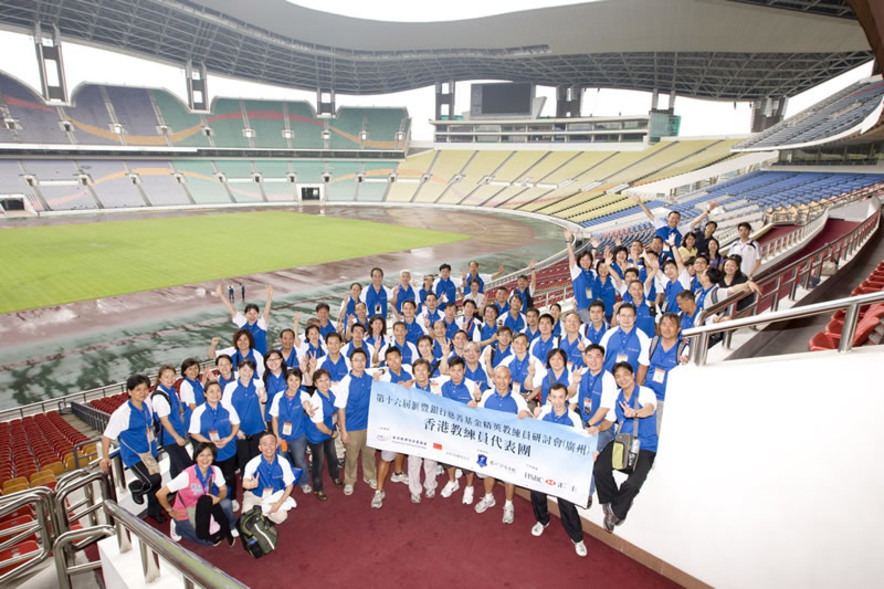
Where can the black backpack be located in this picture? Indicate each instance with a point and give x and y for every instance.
(258, 533)
(158, 430)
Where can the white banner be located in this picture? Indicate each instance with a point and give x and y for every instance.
(530, 453)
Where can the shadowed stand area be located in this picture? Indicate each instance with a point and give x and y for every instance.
(438, 543)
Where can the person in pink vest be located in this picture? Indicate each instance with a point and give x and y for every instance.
(201, 496)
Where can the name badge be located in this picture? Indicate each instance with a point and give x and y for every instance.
(622, 358)
(213, 436)
(377, 309)
(659, 375)
(587, 407)
(517, 388)
(287, 429)
(150, 436)
(589, 292)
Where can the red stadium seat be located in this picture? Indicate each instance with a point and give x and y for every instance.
(822, 341)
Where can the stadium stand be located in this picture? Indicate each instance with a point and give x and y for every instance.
(869, 329)
(135, 112)
(201, 182)
(383, 127)
(184, 128)
(440, 175)
(343, 184)
(306, 127)
(90, 117)
(267, 119)
(157, 180)
(112, 184)
(58, 184)
(346, 128)
(839, 113)
(35, 122)
(228, 124)
(275, 179)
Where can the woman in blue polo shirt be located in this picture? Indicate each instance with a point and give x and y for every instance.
(247, 395)
(321, 432)
(132, 425)
(290, 423)
(274, 380)
(217, 423)
(167, 407)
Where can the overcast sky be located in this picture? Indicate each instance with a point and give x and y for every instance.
(84, 64)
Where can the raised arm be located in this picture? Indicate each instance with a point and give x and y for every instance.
(269, 290)
(532, 286)
(213, 346)
(498, 273)
(705, 214)
(220, 290)
(572, 259)
(638, 200)
(296, 326)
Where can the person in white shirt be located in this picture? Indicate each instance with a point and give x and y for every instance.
(268, 480)
(748, 249)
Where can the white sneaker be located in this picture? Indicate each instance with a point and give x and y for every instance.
(234, 532)
(348, 489)
(458, 473)
(415, 498)
(509, 512)
(484, 503)
(235, 505)
(449, 488)
(439, 470)
(373, 483)
(431, 493)
(306, 489)
(399, 477)
(377, 501)
(580, 548)
(538, 528)
(173, 532)
(468, 496)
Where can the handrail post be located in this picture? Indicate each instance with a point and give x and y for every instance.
(851, 316)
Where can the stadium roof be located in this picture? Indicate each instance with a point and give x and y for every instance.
(720, 49)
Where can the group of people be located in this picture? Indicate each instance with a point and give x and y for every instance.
(601, 369)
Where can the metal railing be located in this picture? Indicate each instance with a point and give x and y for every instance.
(784, 282)
(701, 335)
(45, 525)
(794, 238)
(803, 213)
(154, 545)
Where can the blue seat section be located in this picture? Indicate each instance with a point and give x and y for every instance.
(90, 117)
(135, 112)
(836, 114)
(112, 184)
(57, 181)
(39, 123)
(756, 191)
(158, 182)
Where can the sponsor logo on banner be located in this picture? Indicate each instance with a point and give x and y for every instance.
(482, 461)
(437, 446)
(550, 482)
(408, 441)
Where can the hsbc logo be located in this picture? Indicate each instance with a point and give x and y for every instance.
(550, 482)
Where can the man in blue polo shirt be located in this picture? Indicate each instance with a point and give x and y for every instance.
(625, 343)
(500, 398)
(250, 318)
(352, 397)
(444, 286)
(376, 295)
(268, 479)
(460, 389)
(556, 411)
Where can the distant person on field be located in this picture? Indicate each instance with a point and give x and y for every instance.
(251, 319)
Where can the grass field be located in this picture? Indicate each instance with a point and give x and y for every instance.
(50, 265)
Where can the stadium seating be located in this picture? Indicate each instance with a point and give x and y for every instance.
(185, 128)
(112, 184)
(201, 182)
(134, 110)
(267, 119)
(90, 117)
(841, 112)
(227, 124)
(32, 450)
(37, 122)
(870, 326)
